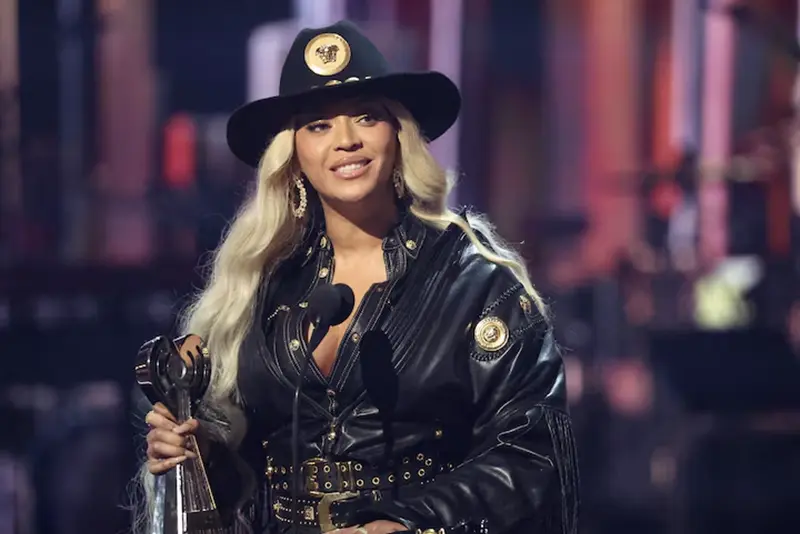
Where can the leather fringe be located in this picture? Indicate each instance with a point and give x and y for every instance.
(566, 458)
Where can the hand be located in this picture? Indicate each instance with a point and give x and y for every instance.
(167, 441)
(375, 527)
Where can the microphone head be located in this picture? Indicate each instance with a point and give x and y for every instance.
(330, 305)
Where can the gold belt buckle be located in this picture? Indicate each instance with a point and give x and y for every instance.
(309, 471)
(324, 508)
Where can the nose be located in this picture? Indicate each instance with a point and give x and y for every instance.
(347, 139)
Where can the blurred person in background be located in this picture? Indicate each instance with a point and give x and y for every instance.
(441, 401)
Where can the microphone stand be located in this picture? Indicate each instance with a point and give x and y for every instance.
(320, 330)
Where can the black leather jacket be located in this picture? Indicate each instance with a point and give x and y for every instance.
(446, 405)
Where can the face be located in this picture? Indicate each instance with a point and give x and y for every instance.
(347, 152)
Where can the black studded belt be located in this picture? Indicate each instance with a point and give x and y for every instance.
(332, 490)
(335, 510)
(321, 476)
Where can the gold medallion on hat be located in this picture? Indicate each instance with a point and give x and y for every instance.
(491, 334)
(327, 54)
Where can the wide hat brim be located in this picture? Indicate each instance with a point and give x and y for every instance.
(431, 97)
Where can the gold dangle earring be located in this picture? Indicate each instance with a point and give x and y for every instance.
(300, 209)
(399, 185)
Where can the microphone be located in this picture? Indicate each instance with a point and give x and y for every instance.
(328, 305)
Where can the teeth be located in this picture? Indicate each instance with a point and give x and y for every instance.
(350, 167)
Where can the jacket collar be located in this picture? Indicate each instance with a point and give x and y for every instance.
(406, 237)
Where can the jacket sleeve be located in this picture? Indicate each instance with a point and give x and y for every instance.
(521, 472)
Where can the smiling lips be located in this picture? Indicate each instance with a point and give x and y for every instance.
(351, 168)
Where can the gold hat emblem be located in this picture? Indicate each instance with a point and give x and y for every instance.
(327, 54)
(491, 334)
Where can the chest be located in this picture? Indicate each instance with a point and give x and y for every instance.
(360, 280)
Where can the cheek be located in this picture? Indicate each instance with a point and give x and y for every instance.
(384, 142)
(310, 154)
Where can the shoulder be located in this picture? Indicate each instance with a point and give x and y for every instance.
(505, 312)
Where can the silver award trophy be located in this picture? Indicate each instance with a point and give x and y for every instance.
(177, 373)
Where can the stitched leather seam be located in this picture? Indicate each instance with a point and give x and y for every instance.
(502, 298)
(375, 316)
(405, 343)
(394, 333)
(501, 443)
(263, 351)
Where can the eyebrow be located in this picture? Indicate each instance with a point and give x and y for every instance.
(356, 107)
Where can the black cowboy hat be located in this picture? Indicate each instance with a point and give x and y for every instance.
(334, 63)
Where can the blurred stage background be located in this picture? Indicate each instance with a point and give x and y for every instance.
(645, 153)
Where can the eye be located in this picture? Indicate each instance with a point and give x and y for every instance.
(368, 118)
(316, 127)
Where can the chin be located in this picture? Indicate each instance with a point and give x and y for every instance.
(353, 189)
(357, 192)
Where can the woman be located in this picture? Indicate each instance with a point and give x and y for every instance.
(440, 402)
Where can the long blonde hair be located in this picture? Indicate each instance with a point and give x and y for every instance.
(264, 232)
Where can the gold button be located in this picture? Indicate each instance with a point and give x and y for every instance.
(276, 506)
(421, 472)
(294, 345)
(323, 242)
(355, 337)
(327, 469)
(376, 480)
(324, 272)
(491, 334)
(411, 244)
(525, 304)
(428, 531)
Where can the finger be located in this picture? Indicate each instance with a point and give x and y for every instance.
(189, 427)
(157, 467)
(161, 450)
(160, 409)
(166, 436)
(157, 420)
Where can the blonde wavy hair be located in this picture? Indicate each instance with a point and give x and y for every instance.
(264, 232)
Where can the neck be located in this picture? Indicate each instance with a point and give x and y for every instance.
(359, 230)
